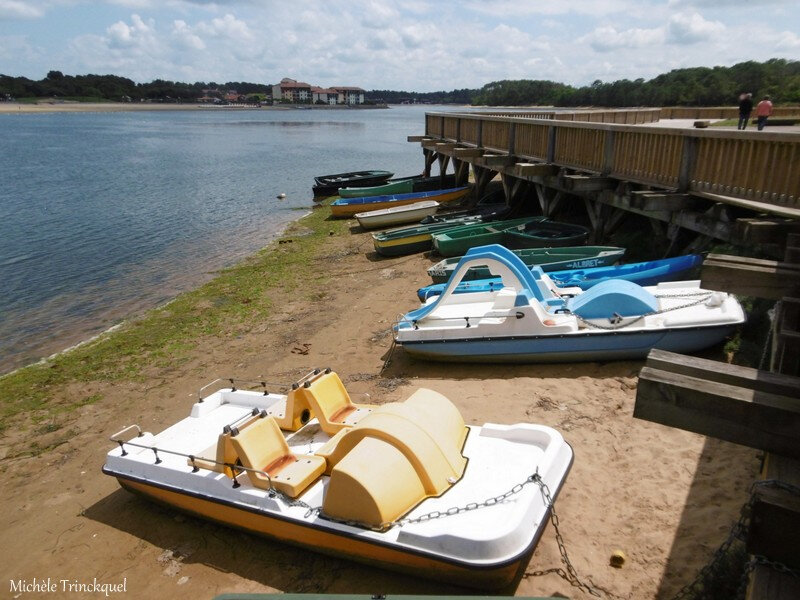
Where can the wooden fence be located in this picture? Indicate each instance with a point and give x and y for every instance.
(751, 165)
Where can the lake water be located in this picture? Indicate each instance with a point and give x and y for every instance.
(103, 215)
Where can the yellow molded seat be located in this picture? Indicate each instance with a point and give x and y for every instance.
(330, 403)
(412, 451)
(219, 454)
(261, 446)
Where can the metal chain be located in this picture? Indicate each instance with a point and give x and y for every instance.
(640, 317)
(739, 532)
(570, 575)
(455, 510)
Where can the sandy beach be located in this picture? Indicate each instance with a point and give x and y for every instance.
(666, 498)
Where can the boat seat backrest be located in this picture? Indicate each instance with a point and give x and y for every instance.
(613, 296)
(394, 458)
(505, 299)
(330, 403)
(261, 446)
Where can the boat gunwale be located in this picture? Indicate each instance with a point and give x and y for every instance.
(330, 526)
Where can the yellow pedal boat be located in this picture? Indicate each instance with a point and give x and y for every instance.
(406, 486)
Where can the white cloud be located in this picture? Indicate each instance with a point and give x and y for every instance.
(228, 27)
(607, 38)
(14, 9)
(185, 37)
(693, 28)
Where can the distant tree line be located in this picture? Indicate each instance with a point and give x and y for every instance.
(114, 88)
(699, 86)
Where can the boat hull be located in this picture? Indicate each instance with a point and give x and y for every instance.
(348, 207)
(328, 185)
(549, 259)
(333, 543)
(574, 347)
(400, 247)
(401, 215)
(401, 186)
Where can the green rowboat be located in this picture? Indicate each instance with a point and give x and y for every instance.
(549, 259)
(415, 238)
(544, 234)
(456, 242)
(404, 185)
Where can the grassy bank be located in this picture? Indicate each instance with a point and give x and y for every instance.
(164, 337)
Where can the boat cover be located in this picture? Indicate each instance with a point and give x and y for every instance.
(614, 296)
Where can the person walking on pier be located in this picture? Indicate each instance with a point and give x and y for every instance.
(763, 111)
(745, 108)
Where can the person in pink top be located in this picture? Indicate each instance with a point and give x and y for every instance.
(763, 111)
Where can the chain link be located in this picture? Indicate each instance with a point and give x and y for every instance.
(738, 532)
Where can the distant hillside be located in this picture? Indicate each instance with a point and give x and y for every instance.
(698, 86)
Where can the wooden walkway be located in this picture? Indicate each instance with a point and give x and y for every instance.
(736, 186)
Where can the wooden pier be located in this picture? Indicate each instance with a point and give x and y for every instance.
(741, 187)
(694, 186)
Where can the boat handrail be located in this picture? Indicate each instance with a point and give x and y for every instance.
(192, 458)
(518, 314)
(233, 383)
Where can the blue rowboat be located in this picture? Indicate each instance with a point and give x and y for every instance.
(347, 207)
(650, 272)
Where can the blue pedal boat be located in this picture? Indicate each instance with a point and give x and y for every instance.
(526, 321)
(651, 272)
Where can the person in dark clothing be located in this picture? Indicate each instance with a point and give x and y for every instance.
(745, 108)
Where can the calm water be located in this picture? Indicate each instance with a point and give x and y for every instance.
(103, 215)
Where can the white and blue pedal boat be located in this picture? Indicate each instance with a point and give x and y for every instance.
(530, 319)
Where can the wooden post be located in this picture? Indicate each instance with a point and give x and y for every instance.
(430, 156)
(512, 133)
(608, 153)
(688, 159)
(551, 144)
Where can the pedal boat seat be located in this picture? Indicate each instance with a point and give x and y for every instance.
(261, 446)
(325, 394)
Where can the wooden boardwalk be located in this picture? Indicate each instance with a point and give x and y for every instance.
(736, 186)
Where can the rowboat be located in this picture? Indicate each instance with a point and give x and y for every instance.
(540, 234)
(455, 242)
(407, 486)
(527, 320)
(397, 215)
(646, 273)
(328, 185)
(416, 238)
(401, 186)
(549, 259)
(348, 207)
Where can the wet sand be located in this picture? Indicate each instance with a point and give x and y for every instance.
(665, 497)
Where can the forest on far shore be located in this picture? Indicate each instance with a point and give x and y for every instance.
(697, 86)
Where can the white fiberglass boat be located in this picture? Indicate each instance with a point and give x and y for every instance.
(397, 215)
(407, 486)
(528, 319)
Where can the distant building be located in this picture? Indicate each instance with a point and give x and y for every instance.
(349, 95)
(291, 90)
(324, 95)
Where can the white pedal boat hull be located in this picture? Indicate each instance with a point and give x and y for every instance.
(483, 547)
(527, 320)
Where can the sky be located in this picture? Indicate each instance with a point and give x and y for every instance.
(411, 45)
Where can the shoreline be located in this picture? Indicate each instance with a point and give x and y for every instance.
(49, 107)
(666, 505)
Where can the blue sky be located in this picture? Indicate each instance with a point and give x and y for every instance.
(416, 45)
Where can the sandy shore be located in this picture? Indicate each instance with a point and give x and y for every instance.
(666, 498)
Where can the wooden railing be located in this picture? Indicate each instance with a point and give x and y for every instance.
(626, 116)
(752, 165)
